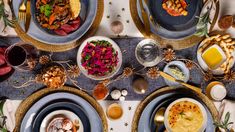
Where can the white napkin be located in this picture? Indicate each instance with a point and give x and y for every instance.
(224, 107)
(9, 110)
(8, 30)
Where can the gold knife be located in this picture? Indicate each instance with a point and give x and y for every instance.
(172, 79)
(28, 16)
(145, 18)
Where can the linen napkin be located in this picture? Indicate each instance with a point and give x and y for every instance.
(224, 107)
(9, 110)
(8, 30)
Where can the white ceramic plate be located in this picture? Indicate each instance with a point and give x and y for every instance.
(182, 67)
(70, 115)
(84, 71)
(204, 66)
(203, 110)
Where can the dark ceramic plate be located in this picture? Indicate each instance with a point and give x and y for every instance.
(179, 23)
(146, 122)
(93, 116)
(87, 14)
(61, 106)
(172, 27)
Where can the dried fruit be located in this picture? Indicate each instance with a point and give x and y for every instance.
(189, 64)
(44, 59)
(230, 76)
(74, 71)
(169, 54)
(54, 76)
(153, 73)
(225, 22)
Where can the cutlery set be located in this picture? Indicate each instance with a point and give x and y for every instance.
(24, 14)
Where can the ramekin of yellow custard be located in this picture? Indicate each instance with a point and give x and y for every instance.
(185, 115)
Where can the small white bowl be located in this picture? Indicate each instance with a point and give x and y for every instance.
(84, 71)
(182, 67)
(68, 114)
(203, 110)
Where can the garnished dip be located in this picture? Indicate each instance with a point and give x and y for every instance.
(60, 16)
(185, 116)
(217, 52)
(99, 58)
(176, 72)
(175, 7)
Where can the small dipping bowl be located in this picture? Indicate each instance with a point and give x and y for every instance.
(114, 111)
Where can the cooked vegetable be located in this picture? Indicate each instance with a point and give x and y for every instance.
(54, 14)
(99, 58)
(175, 7)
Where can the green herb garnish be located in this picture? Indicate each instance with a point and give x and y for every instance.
(4, 16)
(2, 117)
(224, 124)
(46, 9)
(202, 25)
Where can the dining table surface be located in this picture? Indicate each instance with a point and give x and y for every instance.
(127, 40)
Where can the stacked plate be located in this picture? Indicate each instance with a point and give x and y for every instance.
(61, 105)
(36, 31)
(168, 26)
(144, 117)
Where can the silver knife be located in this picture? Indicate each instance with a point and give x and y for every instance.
(28, 16)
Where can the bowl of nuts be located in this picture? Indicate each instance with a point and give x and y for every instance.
(53, 76)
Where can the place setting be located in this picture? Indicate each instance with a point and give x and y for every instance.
(80, 20)
(171, 23)
(60, 73)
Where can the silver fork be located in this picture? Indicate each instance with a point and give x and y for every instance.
(22, 12)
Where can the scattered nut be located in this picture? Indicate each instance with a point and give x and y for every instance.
(115, 94)
(225, 22)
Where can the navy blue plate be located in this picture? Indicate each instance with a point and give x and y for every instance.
(93, 116)
(170, 27)
(61, 106)
(178, 23)
(87, 14)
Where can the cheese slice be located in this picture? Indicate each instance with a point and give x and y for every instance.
(214, 56)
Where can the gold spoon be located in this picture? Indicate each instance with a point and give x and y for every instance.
(159, 117)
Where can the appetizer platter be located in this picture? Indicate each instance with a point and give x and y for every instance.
(79, 21)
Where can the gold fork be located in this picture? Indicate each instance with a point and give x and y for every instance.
(22, 12)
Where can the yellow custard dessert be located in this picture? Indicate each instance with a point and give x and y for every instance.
(214, 56)
(185, 116)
